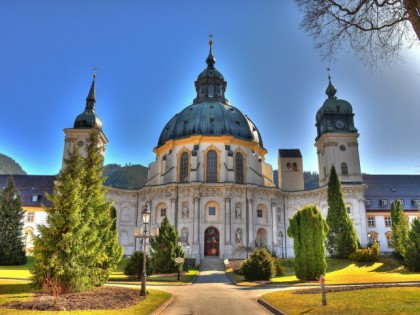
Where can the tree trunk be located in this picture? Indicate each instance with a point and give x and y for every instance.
(413, 9)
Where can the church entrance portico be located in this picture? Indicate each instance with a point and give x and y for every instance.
(211, 242)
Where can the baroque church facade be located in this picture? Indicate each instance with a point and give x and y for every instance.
(211, 181)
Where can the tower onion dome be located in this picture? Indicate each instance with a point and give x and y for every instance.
(335, 115)
(88, 119)
(210, 114)
(332, 104)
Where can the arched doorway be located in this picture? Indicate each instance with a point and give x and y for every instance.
(262, 237)
(211, 242)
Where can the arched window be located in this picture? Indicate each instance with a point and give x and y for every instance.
(294, 167)
(288, 167)
(344, 169)
(239, 168)
(183, 165)
(211, 171)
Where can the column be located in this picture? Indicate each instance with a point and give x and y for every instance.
(274, 220)
(251, 236)
(227, 224)
(173, 207)
(196, 219)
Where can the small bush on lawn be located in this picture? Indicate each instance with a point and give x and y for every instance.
(366, 254)
(259, 266)
(279, 268)
(134, 267)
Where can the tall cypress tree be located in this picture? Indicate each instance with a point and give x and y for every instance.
(342, 236)
(165, 248)
(400, 228)
(61, 242)
(103, 241)
(412, 255)
(11, 223)
(308, 230)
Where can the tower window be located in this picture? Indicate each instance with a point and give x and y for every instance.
(239, 168)
(288, 167)
(259, 213)
(183, 164)
(344, 169)
(211, 171)
(294, 167)
(211, 91)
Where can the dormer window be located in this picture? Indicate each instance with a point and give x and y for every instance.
(35, 198)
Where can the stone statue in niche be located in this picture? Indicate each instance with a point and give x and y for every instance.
(237, 213)
(185, 213)
(278, 215)
(184, 235)
(238, 236)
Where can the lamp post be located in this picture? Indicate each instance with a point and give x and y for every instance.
(146, 219)
(281, 242)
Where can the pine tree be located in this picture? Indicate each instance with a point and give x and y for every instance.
(103, 240)
(400, 228)
(342, 236)
(165, 248)
(60, 245)
(308, 230)
(412, 255)
(11, 223)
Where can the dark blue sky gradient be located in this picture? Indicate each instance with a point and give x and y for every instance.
(150, 52)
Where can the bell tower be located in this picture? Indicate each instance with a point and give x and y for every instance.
(84, 124)
(336, 140)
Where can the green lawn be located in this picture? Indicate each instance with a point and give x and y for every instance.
(20, 272)
(343, 271)
(401, 300)
(11, 290)
(118, 276)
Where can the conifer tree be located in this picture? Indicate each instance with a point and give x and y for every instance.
(11, 223)
(61, 242)
(165, 248)
(412, 255)
(342, 236)
(308, 230)
(103, 240)
(400, 228)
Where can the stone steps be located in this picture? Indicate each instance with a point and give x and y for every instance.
(215, 264)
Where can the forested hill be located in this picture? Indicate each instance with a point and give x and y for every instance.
(8, 166)
(125, 177)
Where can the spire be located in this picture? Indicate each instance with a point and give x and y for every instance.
(210, 59)
(331, 90)
(91, 98)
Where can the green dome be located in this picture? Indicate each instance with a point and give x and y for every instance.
(210, 118)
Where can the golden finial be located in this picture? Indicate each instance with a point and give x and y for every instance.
(329, 73)
(211, 40)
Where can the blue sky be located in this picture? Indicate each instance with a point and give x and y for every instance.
(149, 53)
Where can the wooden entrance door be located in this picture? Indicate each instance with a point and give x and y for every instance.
(211, 239)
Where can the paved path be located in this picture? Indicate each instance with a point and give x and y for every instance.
(213, 293)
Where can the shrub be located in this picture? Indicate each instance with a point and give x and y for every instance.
(134, 267)
(279, 268)
(259, 266)
(369, 253)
